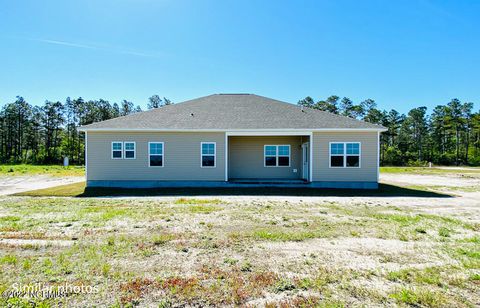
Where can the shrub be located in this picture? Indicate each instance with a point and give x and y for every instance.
(392, 157)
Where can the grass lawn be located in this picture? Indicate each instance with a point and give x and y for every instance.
(210, 252)
(52, 170)
(412, 245)
(69, 190)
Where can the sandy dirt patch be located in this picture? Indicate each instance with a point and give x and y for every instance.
(459, 168)
(353, 253)
(15, 184)
(34, 242)
(447, 180)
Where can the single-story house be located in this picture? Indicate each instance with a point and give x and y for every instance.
(232, 140)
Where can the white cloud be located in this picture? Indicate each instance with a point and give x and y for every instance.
(98, 47)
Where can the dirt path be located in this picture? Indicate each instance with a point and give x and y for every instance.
(459, 168)
(15, 184)
(448, 180)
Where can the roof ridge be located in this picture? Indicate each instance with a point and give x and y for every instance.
(215, 111)
(234, 94)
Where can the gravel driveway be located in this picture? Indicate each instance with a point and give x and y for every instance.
(15, 184)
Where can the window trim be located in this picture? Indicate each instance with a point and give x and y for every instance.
(214, 154)
(344, 155)
(111, 150)
(277, 155)
(163, 154)
(134, 150)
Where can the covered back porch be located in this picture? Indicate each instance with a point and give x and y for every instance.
(268, 157)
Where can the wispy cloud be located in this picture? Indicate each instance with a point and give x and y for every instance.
(55, 42)
(97, 47)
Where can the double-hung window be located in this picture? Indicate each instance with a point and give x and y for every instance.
(277, 156)
(208, 152)
(345, 154)
(117, 150)
(123, 150)
(155, 154)
(129, 149)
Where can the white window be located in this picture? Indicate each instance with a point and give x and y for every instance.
(345, 154)
(208, 152)
(129, 149)
(117, 150)
(277, 155)
(155, 154)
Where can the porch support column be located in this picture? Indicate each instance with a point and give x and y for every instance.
(310, 165)
(226, 157)
(378, 156)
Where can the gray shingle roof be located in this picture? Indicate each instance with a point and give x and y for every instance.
(231, 111)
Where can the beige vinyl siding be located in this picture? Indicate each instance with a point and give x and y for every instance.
(181, 157)
(368, 158)
(246, 157)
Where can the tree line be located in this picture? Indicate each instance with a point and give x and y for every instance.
(47, 133)
(448, 135)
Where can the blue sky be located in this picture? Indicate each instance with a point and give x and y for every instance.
(403, 54)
